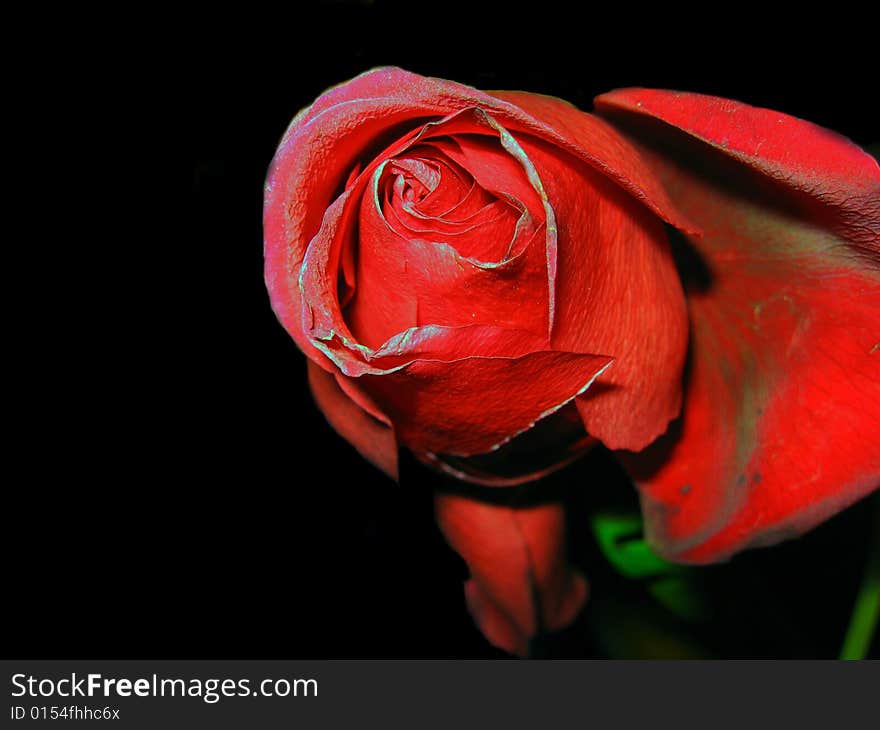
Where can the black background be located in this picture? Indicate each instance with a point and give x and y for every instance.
(181, 496)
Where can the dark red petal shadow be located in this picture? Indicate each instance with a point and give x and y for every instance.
(781, 420)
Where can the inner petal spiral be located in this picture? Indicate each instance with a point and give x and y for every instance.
(452, 231)
(440, 202)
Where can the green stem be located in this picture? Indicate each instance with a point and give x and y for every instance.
(866, 611)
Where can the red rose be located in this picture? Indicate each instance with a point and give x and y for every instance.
(501, 279)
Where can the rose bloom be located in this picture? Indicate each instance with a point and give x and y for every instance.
(497, 281)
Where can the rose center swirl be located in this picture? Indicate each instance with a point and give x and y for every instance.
(450, 231)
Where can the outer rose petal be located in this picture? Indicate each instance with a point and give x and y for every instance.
(521, 583)
(462, 390)
(617, 292)
(781, 425)
(601, 146)
(373, 439)
(473, 405)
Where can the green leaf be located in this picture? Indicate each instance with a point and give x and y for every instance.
(620, 538)
(622, 543)
(866, 612)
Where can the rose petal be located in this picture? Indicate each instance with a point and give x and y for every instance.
(458, 200)
(597, 143)
(493, 168)
(782, 407)
(455, 205)
(473, 405)
(373, 439)
(618, 292)
(521, 583)
(310, 165)
(485, 236)
(449, 389)
(832, 172)
(553, 443)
